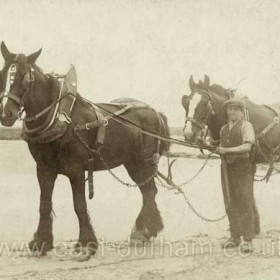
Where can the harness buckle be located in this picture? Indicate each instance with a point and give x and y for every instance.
(87, 126)
(105, 122)
(20, 113)
(276, 119)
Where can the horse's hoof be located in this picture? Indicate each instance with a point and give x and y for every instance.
(78, 247)
(83, 253)
(138, 238)
(90, 248)
(41, 247)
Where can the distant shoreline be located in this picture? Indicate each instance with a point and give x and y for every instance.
(14, 133)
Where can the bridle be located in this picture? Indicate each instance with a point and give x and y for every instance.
(10, 81)
(28, 85)
(209, 105)
(27, 82)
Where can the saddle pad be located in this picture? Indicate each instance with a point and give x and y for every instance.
(118, 107)
(130, 102)
(125, 102)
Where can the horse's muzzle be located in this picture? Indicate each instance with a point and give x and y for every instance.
(7, 120)
(189, 137)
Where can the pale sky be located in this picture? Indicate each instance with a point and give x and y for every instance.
(148, 49)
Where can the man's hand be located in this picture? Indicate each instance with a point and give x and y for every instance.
(214, 143)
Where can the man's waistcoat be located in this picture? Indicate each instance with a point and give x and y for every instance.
(233, 138)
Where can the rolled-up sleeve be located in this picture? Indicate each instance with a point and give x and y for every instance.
(248, 133)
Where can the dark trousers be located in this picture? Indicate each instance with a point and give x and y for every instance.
(241, 207)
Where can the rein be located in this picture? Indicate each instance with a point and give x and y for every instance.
(148, 132)
(46, 110)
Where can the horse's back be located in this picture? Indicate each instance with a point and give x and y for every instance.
(129, 101)
(130, 107)
(275, 106)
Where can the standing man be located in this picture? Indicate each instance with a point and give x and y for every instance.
(236, 140)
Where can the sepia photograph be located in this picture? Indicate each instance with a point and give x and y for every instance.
(139, 139)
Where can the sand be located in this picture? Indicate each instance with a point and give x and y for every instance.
(187, 248)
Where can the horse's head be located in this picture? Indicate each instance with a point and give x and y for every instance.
(198, 108)
(16, 78)
(201, 107)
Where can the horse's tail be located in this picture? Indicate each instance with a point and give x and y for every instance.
(164, 132)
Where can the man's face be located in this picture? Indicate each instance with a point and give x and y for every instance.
(234, 113)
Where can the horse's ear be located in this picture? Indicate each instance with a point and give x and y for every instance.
(5, 52)
(206, 81)
(191, 83)
(184, 101)
(33, 57)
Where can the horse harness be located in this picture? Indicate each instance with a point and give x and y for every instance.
(27, 82)
(211, 111)
(272, 157)
(59, 115)
(275, 121)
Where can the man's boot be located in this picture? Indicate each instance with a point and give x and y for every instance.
(232, 242)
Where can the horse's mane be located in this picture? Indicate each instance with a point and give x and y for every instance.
(222, 92)
(215, 88)
(219, 90)
(38, 68)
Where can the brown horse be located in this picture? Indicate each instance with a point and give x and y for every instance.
(25, 86)
(205, 107)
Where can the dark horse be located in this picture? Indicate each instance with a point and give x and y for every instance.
(205, 108)
(25, 86)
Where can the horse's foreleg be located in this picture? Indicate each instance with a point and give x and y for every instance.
(87, 237)
(149, 222)
(43, 238)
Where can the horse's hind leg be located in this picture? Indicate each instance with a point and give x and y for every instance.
(87, 237)
(43, 238)
(148, 223)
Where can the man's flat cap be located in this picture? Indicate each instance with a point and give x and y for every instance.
(235, 102)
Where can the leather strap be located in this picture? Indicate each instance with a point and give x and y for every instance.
(90, 177)
(192, 120)
(91, 125)
(12, 96)
(101, 120)
(275, 121)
